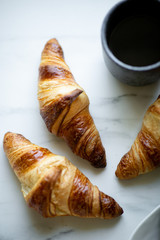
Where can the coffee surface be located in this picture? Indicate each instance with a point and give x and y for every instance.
(136, 40)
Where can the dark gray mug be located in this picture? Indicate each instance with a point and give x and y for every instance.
(130, 38)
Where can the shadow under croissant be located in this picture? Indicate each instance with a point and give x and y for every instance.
(68, 224)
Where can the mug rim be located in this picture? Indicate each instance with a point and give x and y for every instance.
(109, 52)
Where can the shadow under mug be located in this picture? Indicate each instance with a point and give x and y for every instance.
(130, 38)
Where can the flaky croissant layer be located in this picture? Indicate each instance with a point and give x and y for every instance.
(144, 155)
(52, 185)
(64, 106)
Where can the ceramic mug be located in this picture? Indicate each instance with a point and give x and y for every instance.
(130, 36)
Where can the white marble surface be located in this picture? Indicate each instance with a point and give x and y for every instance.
(117, 110)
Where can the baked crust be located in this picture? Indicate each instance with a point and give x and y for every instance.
(52, 185)
(64, 106)
(144, 155)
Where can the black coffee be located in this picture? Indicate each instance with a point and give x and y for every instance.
(136, 40)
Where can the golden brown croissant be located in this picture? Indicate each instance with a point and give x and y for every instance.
(52, 185)
(64, 106)
(144, 155)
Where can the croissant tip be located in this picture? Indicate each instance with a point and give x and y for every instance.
(10, 134)
(52, 40)
(6, 140)
(120, 174)
(117, 173)
(101, 163)
(124, 175)
(98, 158)
(110, 208)
(120, 211)
(6, 135)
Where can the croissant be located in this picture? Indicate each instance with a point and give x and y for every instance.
(144, 155)
(64, 106)
(52, 185)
